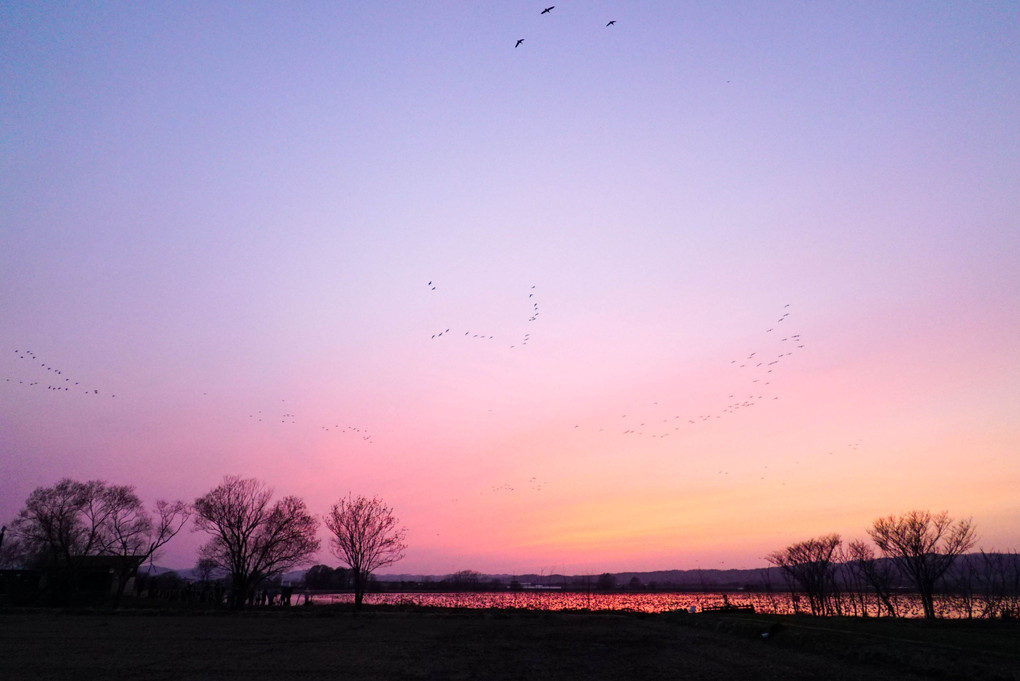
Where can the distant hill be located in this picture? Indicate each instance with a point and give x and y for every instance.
(691, 580)
(191, 574)
(685, 579)
(688, 579)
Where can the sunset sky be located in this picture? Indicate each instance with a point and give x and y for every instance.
(711, 280)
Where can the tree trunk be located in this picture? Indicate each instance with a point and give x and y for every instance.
(238, 592)
(359, 589)
(122, 580)
(928, 603)
(887, 602)
(124, 575)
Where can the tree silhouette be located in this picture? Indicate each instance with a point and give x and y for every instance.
(253, 538)
(809, 565)
(877, 575)
(64, 525)
(366, 536)
(135, 536)
(923, 546)
(59, 525)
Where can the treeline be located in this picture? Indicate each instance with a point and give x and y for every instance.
(920, 549)
(92, 537)
(75, 534)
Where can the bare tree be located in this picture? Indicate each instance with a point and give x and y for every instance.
(324, 577)
(132, 534)
(464, 580)
(57, 526)
(12, 553)
(809, 565)
(923, 546)
(254, 538)
(877, 575)
(64, 525)
(999, 582)
(765, 578)
(206, 568)
(366, 536)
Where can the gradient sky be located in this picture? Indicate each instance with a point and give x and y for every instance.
(219, 221)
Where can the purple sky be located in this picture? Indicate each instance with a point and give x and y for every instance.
(227, 215)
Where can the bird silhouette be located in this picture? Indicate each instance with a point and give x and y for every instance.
(519, 41)
(548, 9)
(611, 23)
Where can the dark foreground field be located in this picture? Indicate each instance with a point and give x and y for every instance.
(324, 643)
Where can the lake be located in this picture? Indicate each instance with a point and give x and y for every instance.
(783, 604)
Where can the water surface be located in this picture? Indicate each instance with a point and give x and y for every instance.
(783, 604)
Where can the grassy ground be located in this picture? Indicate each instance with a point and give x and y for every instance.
(333, 643)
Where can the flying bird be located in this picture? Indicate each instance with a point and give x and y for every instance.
(548, 9)
(611, 23)
(519, 41)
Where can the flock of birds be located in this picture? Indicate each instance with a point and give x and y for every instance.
(757, 369)
(759, 366)
(37, 374)
(53, 378)
(533, 484)
(533, 315)
(547, 10)
(754, 374)
(289, 418)
(753, 385)
(764, 473)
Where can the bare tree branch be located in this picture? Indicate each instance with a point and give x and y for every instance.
(366, 536)
(253, 538)
(923, 545)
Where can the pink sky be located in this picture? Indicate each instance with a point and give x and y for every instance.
(233, 213)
